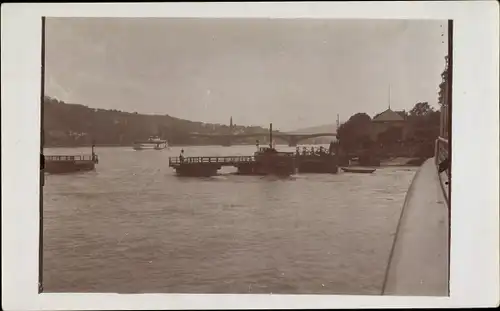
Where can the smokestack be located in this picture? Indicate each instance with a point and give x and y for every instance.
(270, 135)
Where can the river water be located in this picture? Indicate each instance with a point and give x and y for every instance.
(133, 226)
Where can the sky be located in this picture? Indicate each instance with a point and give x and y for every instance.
(295, 73)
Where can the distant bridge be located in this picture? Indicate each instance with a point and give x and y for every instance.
(291, 138)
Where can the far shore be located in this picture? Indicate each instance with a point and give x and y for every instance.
(176, 145)
(130, 145)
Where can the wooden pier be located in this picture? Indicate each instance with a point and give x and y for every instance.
(255, 165)
(60, 164)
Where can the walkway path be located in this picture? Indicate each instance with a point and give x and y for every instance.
(419, 264)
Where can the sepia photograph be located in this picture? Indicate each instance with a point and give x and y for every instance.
(254, 155)
(199, 155)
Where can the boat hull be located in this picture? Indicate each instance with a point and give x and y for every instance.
(358, 170)
(153, 143)
(281, 164)
(326, 164)
(63, 167)
(259, 169)
(143, 147)
(197, 169)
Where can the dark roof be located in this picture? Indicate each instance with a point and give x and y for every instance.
(389, 115)
(402, 113)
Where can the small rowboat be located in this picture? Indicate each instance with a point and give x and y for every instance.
(358, 170)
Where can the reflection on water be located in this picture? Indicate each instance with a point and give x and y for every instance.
(133, 226)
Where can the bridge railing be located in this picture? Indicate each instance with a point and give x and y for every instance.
(442, 150)
(222, 160)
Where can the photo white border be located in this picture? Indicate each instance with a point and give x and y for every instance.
(475, 205)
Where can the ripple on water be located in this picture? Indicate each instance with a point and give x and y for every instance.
(133, 226)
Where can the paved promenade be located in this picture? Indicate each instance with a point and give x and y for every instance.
(419, 264)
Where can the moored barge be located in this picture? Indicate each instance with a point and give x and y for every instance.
(265, 161)
(319, 162)
(269, 161)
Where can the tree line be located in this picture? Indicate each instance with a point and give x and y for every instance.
(74, 125)
(422, 124)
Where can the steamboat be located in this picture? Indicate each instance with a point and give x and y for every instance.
(153, 142)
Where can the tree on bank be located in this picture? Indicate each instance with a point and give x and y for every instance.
(444, 81)
(355, 132)
(420, 110)
(422, 121)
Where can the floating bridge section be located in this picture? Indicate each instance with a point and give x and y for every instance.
(207, 166)
(249, 165)
(59, 164)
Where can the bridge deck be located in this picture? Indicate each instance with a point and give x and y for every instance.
(265, 134)
(223, 161)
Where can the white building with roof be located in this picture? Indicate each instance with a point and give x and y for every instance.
(389, 119)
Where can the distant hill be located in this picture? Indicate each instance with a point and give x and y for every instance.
(77, 125)
(327, 128)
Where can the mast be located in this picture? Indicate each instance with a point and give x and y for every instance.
(270, 135)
